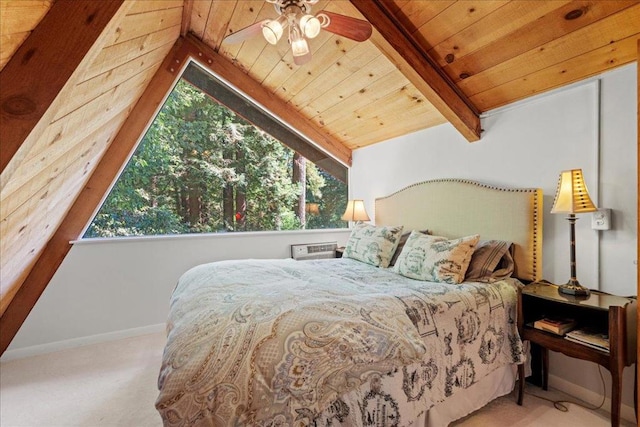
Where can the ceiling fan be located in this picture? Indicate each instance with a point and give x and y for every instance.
(296, 15)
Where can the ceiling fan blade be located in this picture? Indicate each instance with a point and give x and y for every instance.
(246, 32)
(301, 60)
(346, 26)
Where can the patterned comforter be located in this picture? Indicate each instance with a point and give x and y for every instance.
(326, 342)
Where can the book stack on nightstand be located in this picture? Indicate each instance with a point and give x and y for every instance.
(556, 325)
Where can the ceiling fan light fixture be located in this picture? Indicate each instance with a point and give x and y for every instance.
(272, 30)
(302, 25)
(310, 26)
(299, 45)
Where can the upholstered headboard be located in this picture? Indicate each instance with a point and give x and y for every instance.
(456, 208)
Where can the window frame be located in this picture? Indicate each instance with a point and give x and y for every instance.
(200, 76)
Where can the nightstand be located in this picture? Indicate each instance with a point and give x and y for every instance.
(611, 314)
(339, 252)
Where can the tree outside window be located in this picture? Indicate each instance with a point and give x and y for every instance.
(201, 168)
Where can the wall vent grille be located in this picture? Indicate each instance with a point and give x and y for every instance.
(314, 250)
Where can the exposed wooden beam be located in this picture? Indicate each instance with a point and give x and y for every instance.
(44, 63)
(225, 69)
(89, 198)
(397, 44)
(186, 17)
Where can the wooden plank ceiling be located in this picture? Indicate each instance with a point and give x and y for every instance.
(492, 52)
(427, 62)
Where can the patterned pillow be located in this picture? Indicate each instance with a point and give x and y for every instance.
(372, 245)
(486, 258)
(401, 243)
(436, 259)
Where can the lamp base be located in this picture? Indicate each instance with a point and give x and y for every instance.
(573, 287)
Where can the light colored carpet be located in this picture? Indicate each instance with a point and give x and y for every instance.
(505, 412)
(113, 384)
(107, 384)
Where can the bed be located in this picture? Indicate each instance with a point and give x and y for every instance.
(351, 341)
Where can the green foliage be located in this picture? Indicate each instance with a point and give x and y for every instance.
(332, 198)
(200, 168)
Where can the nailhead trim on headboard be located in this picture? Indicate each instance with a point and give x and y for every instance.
(464, 181)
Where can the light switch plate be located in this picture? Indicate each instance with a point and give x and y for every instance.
(601, 219)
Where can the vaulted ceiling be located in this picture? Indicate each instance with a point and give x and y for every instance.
(80, 80)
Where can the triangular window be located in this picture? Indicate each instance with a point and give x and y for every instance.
(212, 161)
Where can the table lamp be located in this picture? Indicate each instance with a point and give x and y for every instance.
(355, 211)
(572, 198)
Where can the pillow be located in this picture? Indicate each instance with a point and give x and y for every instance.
(401, 243)
(486, 258)
(505, 268)
(372, 245)
(435, 258)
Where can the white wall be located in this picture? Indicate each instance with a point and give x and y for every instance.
(618, 180)
(527, 145)
(108, 286)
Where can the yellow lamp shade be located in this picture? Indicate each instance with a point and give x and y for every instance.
(355, 211)
(571, 195)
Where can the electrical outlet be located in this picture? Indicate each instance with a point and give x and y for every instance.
(601, 219)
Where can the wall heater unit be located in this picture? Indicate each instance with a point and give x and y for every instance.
(314, 251)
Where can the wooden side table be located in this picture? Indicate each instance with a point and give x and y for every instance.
(609, 313)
